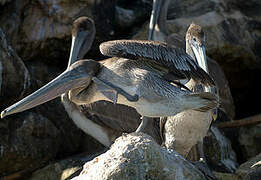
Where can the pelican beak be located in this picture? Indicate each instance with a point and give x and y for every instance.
(200, 53)
(201, 58)
(154, 17)
(81, 44)
(70, 79)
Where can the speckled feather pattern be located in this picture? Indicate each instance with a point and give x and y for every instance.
(175, 59)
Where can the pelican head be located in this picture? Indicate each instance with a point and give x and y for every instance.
(78, 75)
(83, 33)
(195, 44)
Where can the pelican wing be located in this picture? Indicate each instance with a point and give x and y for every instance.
(111, 91)
(175, 59)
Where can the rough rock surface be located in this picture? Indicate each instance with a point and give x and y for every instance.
(218, 151)
(14, 76)
(225, 176)
(250, 170)
(31, 139)
(64, 169)
(249, 139)
(42, 29)
(27, 142)
(137, 156)
(3, 2)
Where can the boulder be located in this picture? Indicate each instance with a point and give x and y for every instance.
(14, 76)
(3, 2)
(42, 29)
(250, 170)
(138, 156)
(27, 141)
(31, 139)
(63, 169)
(129, 14)
(225, 176)
(218, 152)
(249, 140)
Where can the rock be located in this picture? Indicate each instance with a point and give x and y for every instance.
(218, 151)
(14, 76)
(27, 141)
(250, 170)
(137, 156)
(249, 140)
(225, 176)
(63, 169)
(125, 17)
(3, 2)
(42, 29)
(30, 139)
(129, 14)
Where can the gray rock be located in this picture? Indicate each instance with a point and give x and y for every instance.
(250, 170)
(31, 139)
(130, 14)
(42, 29)
(225, 176)
(249, 140)
(63, 169)
(28, 140)
(218, 151)
(14, 76)
(137, 156)
(3, 2)
(125, 17)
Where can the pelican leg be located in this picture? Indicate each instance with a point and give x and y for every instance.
(143, 124)
(111, 91)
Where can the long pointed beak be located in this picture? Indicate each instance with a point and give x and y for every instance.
(81, 44)
(200, 53)
(154, 17)
(69, 79)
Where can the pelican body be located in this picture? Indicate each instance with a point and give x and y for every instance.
(140, 75)
(144, 83)
(189, 127)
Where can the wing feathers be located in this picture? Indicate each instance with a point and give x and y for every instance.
(175, 59)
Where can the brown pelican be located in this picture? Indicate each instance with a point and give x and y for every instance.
(185, 129)
(138, 77)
